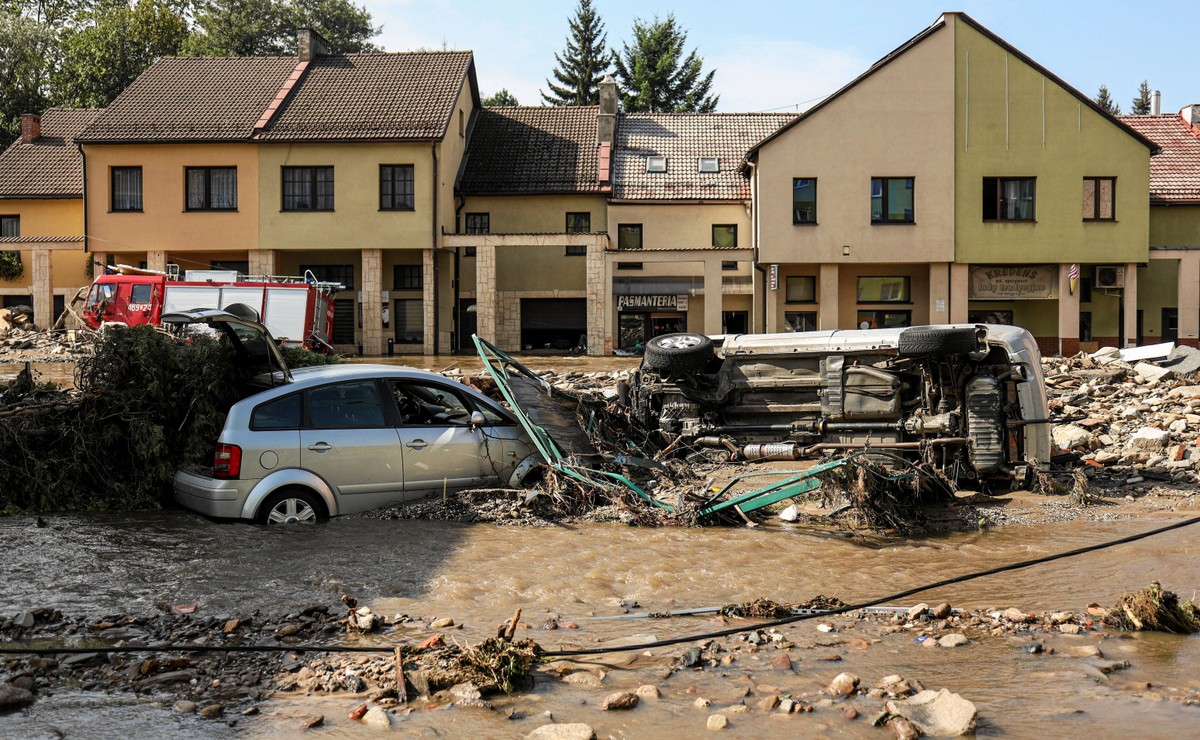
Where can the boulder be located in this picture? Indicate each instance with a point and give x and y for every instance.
(14, 697)
(717, 722)
(619, 700)
(938, 713)
(954, 639)
(377, 717)
(843, 684)
(1151, 439)
(563, 731)
(1071, 437)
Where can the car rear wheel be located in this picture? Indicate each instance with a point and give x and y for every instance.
(678, 353)
(291, 506)
(922, 341)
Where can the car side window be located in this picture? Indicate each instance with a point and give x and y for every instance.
(350, 405)
(428, 404)
(281, 413)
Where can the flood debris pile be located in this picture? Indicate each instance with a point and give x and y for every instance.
(1128, 421)
(1154, 609)
(20, 340)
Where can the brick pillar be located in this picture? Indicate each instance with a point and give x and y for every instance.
(599, 288)
(1189, 298)
(427, 302)
(372, 309)
(99, 260)
(262, 262)
(156, 259)
(1068, 313)
(1129, 301)
(827, 294)
(713, 295)
(939, 293)
(43, 290)
(960, 292)
(485, 293)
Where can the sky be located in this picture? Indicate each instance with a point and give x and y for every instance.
(787, 55)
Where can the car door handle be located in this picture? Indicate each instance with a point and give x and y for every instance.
(321, 447)
(417, 444)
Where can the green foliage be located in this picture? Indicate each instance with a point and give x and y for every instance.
(582, 63)
(1105, 101)
(1141, 102)
(10, 266)
(655, 75)
(148, 404)
(502, 97)
(268, 27)
(297, 357)
(27, 50)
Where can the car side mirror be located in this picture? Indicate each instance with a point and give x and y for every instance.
(477, 419)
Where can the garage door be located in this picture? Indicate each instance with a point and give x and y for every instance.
(553, 323)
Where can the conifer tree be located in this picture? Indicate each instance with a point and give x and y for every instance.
(1141, 103)
(656, 76)
(1105, 101)
(583, 62)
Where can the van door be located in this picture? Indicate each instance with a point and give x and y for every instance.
(441, 450)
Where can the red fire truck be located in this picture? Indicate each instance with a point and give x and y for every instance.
(298, 311)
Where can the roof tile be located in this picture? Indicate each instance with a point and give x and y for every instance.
(529, 150)
(1175, 169)
(50, 167)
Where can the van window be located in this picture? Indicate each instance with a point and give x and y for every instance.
(281, 413)
(351, 405)
(141, 293)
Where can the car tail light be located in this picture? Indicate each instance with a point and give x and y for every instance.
(227, 461)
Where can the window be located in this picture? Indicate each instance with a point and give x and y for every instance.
(10, 226)
(804, 200)
(656, 164)
(428, 404)
(126, 188)
(479, 223)
(579, 223)
(800, 289)
(1099, 198)
(990, 317)
(352, 405)
(282, 413)
(629, 236)
(407, 277)
(729, 264)
(883, 319)
(629, 265)
(395, 187)
(140, 293)
(211, 188)
(883, 290)
(708, 164)
(801, 320)
(892, 200)
(724, 236)
(1008, 198)
(410, 320)
(576, 251)
(469, 251)
(308, 188)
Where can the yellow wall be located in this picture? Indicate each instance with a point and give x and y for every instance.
(672, 226)
(1039, 318)
(539, 268)
(1158, 288)
(895, 123)
(534, 214)
(1175, 226)
(450, 156)
(164, 223)
(46, 216)
(1012, 121)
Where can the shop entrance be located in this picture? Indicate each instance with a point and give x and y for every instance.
(636, 327)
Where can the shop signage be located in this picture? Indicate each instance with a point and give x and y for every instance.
(1013, 282)
(648, 303)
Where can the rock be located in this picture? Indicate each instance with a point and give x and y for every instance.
(377, 717)
(467, 691)
(767, 703)
(1071, 437)
(786, 706)
(26, 620)
(843, 684)
(1179, 426)
(314, 721)
(783, 662)
(442, 623)
(903, 729)
(287, 630)
(357, 713)
(212, 711)
(1086, 651)
(941, 611)
(1069, 629)
(1152, 373)
(717, 722)
(648, 691)
(231, 626)
(915, 612)
(185, 706)
(619, 700)
(701, 703)
(1184, 361)
(1016, 615)
(584, 678)
(1152, 439)
(1060, 617)
(954, 639)
(563, 731)
(849, 714)
(937, 713)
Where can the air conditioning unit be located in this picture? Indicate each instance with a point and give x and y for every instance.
(1109, 276)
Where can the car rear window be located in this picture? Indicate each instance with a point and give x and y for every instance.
(352, 405)
(282, 413)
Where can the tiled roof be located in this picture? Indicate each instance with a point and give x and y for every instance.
(1175, 169)
(49, 167)
(398, 96)
(532, 150)
(683, 138)
(193, 99)
(39, 239)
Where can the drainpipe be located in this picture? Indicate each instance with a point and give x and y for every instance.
(434, 232)
(754, 224)
(456, 325)
(83, 157)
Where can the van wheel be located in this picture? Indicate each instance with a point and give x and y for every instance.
(678, 353)
(922, 341)
(291, 506)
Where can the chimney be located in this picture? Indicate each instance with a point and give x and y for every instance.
(31, 127)
(606, 120)
(1191, 114)
(310, 44)
(1155, 103)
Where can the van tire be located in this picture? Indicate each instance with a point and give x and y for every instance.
(291, 506)
(678, 353)
(922, 341)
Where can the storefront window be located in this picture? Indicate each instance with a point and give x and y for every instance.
(883, 319)
(801, 320)
(800, 289)
(883, 289)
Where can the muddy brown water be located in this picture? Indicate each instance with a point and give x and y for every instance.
(478, 574)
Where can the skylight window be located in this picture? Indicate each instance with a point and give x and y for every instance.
(656, 164)
(707, 164)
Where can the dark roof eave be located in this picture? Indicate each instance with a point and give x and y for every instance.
(518, 193)
(42, 196)
(677, 201)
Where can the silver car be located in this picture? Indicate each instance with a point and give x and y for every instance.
(340, 439)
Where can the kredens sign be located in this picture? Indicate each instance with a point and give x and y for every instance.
(1014, 283)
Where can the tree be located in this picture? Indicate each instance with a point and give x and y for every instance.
(655, 75)
(502, 97)
(583, 62)
(1105, 101)
(112, 45)
(1141, 103)
(27, 49)
(268, 27)
(346, 26)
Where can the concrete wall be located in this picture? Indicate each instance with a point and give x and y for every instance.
(49, 217)
(535, 214)
(1175, 226)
